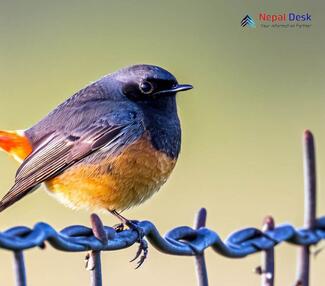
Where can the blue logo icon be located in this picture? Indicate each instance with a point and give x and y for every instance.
(248, 21)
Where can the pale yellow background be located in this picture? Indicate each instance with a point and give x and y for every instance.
(256, 90)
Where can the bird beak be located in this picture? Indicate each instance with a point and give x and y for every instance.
(176, 88)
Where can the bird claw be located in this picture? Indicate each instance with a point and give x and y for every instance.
(143, 245)
(133, 225)
(142, 249)
(119, 227)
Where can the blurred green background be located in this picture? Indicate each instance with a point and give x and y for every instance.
(256, 90)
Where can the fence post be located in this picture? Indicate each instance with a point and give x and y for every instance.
(19, 266)
(310, 206)
(268, 257)
(200, 265)
(93, 258)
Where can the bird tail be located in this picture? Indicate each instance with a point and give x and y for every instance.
(15, 143)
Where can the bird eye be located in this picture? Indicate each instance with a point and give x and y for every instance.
(146, 87)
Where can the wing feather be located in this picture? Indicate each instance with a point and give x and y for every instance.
(59, 151)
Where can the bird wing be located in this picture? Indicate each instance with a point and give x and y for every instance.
(59, 151)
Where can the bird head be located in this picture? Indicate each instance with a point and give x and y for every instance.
(145, 84)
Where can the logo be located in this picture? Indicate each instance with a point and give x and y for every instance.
(248, 21)
(283, 20)
(284, 17)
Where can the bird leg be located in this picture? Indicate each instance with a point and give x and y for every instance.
(143, 245)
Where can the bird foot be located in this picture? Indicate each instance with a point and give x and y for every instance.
(143, 244)
(142, 251)
(119, 227)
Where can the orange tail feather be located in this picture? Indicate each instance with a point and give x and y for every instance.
(16, 144)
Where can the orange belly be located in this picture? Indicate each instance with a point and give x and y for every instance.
(114, 183)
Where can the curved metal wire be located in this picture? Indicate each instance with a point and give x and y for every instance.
(179, 241)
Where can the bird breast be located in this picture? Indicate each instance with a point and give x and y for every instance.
(116, 182)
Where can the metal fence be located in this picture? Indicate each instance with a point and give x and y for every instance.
(187, 241)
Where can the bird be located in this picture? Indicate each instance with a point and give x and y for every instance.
(108, 147)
